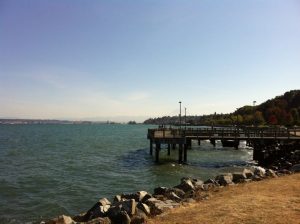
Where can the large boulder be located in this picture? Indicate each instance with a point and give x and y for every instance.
(129, 206)
(98, 210)
(224, 179)
(117, 215)
(238, 177)
(186, 185)
(197, 183)
(296, 168)
(144, 208)
(160, 190)
(63, 219)
(157, 206)
(270, 173)
(99, 220)
(248, 173)
(259, 171)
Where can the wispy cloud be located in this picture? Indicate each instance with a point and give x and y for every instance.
(138, 96)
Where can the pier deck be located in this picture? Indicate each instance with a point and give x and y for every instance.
(229, 136)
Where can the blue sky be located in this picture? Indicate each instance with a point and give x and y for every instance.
(137, 59)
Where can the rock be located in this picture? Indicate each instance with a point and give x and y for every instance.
(197, 183)
(144, 197)
(296, 168)
(248, 173)
(117, 215)
(130, 196)
(180, 193)
(98, 210)
(157, 206)
(224, 179)
(186, 185)
(63, 219)
(117, 198)
(139, 218)
(129, 206)
(99, 220)
(172, 196)
(270, 173)
(259, 171)
(160, 190)
(144, 208)
(284, 172)
(141, 195)
(257, 178)
(211, 181)
(208, 187)
(238, 177)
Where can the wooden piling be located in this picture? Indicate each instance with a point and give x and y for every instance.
(169, 149)
(185, 153)
(180, 154)
(151, 147)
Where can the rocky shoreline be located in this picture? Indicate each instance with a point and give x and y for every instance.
(137, 207)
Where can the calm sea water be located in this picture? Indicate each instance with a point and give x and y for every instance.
(48, 170)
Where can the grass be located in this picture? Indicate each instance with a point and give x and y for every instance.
(270, 201)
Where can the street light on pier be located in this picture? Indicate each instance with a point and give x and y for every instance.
(254, 102)
(179, 114)
(185, 118)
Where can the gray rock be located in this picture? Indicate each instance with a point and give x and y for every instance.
(248, 173)
(129, 206)
(98, 210)
(238, 177)
(118, 215)
(208, 187)
(180, 193)
(296, 168)
(130, 196)
(144, 208)
(197, 183)
(117, 198)
(270, 173)
(63, 219)
(186, 185)
(160, 190)
(157, 206)
(172, 196)
(211, 181)
(257, 178)
(259, 171)
(99, 220)
(139, 218)
(224, 179)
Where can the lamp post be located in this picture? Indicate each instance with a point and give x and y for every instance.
(185, 118)
(237, 117)
(254, 102)
(179, 114)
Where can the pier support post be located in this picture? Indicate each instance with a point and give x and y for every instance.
(174, 146)
(157, 149)
(185, 153)
(169, 149)
(180, 153)
(189, 143)
(199, 142)
(151, 147)
(213, 142)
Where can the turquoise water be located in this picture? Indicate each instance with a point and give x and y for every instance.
(47, 170)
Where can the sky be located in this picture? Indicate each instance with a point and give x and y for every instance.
(115, 59)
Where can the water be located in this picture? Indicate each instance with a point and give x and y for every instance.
(48, 170)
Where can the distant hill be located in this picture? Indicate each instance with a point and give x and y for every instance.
(282, 110)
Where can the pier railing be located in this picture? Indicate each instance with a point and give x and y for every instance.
(225, 133)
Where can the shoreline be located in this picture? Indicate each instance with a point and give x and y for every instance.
(140, 206)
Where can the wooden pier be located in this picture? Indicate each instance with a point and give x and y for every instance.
(258, 138)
